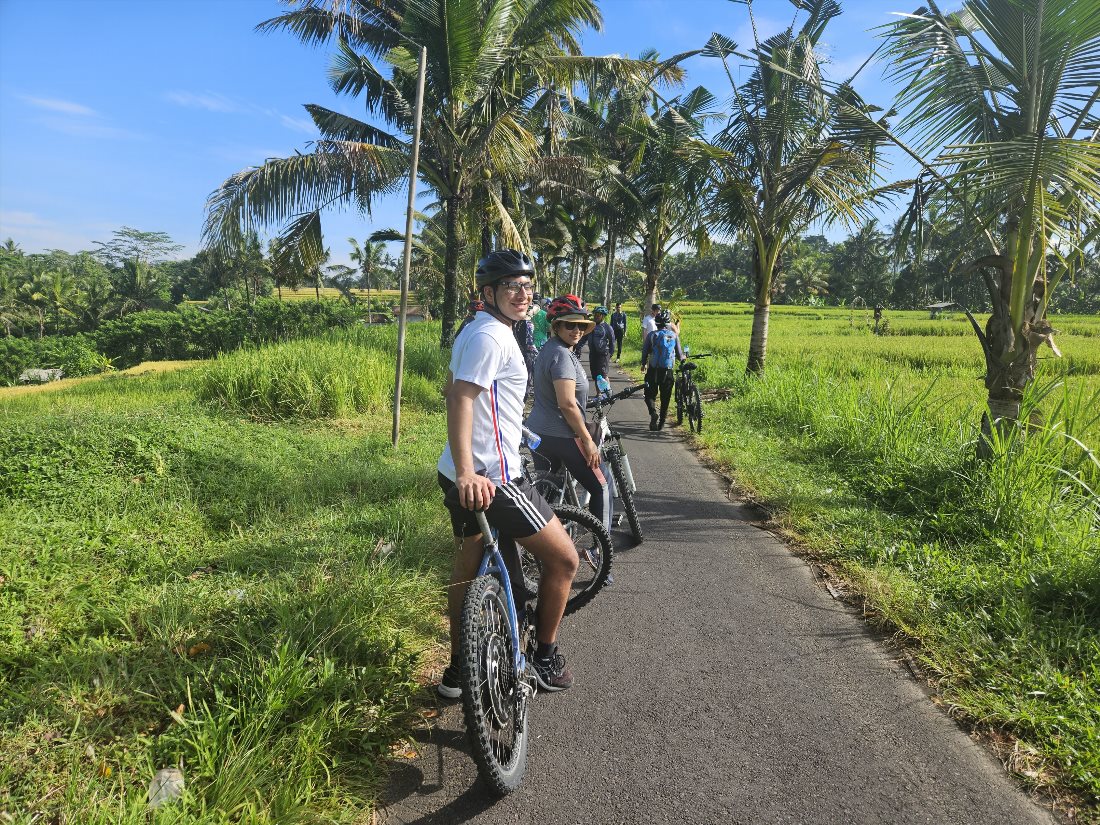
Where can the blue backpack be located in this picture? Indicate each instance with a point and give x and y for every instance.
(663, 348)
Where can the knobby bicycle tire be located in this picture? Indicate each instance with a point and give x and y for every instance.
(594, 552)
(695, 410)
(626, 496)
(494, 701)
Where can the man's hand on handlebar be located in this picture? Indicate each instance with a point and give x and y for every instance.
(475, 492)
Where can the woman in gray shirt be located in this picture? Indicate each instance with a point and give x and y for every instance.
(561, 393)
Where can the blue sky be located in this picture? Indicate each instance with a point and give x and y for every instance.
(130, 112)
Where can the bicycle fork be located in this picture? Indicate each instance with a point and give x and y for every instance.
(631, 486)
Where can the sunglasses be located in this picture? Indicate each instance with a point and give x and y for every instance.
(515, 287)
(573, 325)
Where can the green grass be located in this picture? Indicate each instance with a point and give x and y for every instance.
(863, 447)
(349, 372)
(182, 583)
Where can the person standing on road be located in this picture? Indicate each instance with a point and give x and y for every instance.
(524, 331)
(648, 322)
(618, 324)
(659, 353)
(561, 395)
(480, 465)
(601, 343)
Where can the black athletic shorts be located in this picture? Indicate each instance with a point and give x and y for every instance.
(517, 510)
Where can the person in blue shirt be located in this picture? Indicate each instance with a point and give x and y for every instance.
(601, 343)
(660, 352)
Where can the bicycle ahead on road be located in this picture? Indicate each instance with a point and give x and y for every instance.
(686, 393)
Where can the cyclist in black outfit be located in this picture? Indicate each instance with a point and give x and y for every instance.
(618, 324)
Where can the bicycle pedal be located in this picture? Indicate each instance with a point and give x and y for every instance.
(617, 521)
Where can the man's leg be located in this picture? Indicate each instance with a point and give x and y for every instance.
(599, 365)
(554, 550)
(666, 394)
(618, 343)
(463, 569)
(650, 393)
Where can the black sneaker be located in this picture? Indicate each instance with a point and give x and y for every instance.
(551, 673)
(449, 687)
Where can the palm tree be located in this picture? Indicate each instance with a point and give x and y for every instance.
(808, 276)
(370, 256)
(791, 154)
(139, 286)
(644, 182)
(999, 94)
(486, 60)
(862, 262)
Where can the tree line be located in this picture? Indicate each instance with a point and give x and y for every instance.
(528, 142)
(60, 293)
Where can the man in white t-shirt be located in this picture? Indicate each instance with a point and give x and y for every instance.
(649, 323)
(480, 466)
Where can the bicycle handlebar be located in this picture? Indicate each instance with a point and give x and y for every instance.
(601, 400)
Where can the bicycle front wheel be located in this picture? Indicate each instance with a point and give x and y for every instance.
(626, 496)
(494, 698)
(695, 411)
(593, 545)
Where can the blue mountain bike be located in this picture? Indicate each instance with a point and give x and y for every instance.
(497, 681)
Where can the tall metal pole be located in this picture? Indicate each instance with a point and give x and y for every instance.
(402, 319)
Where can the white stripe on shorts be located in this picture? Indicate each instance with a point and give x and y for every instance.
(516, 496)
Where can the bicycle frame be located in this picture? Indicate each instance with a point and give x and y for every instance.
(492, 564)
(612, 441)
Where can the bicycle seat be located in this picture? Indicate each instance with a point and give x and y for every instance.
(687, 366)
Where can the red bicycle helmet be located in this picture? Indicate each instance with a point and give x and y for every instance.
(569, 308)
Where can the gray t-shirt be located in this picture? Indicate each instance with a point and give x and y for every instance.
(555, 361)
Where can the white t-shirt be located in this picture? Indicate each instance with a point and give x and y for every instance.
(486, 354)
(649, 324)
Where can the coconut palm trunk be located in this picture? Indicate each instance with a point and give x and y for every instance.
(758, 340)
(454, 248)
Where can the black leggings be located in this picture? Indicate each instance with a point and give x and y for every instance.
(658, 380)
(600, 363)
(555, 451)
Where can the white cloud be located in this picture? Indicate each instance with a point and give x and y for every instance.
(89, 129)
(217, 102)
(211, 101)
(299, 124)
(64, 106)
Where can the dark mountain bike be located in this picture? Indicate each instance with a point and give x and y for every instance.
(688, 400)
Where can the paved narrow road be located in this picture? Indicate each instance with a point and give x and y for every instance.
(716, 682)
